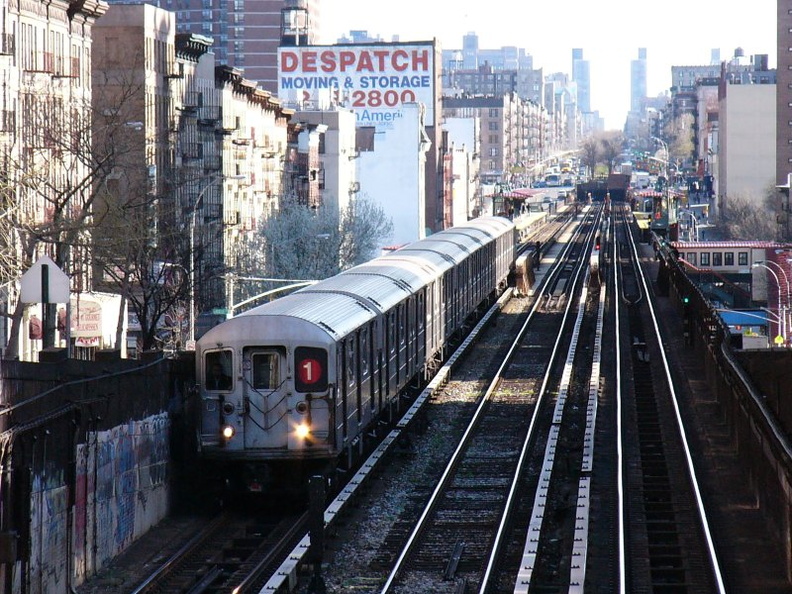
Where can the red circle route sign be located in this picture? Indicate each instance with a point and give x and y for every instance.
(310, 371)
(310, 367)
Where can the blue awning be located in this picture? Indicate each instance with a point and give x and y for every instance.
(744, 318)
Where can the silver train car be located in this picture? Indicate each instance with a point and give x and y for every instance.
(295, 383)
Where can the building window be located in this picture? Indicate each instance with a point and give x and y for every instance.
(717, 259)
(742, 258)
(493, 151)
(493, 125)
(728, 259)
(691, 257)
(705, 258)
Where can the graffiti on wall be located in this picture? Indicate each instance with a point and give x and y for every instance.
(121, 490)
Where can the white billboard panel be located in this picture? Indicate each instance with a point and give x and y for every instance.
(374, 80)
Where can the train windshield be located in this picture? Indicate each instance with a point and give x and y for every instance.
(217, 370)
(266, 371)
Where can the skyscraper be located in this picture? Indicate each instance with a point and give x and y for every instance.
(638, 81)
(581, 74)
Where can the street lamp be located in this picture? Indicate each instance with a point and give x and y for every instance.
(781, 312)
(786, 304)
(212, 181)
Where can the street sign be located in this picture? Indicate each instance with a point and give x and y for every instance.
(44, 283)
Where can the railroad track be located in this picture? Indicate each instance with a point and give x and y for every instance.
(234, 551)
(667, 545)
(457, 531)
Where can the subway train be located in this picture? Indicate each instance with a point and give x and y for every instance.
(295, 385)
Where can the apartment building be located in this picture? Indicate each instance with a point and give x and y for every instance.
(203, 147)
(45, 131)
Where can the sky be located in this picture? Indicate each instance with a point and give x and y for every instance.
(674, 33)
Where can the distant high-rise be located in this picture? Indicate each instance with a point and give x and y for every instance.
(638, 81)
(470, 48)
(581, 74)
(715, 56)
(246, 33)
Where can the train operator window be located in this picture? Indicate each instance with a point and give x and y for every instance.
(217, 370)
(266, 375)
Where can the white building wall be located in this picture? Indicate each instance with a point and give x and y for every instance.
(463, 131)
(747, 142)
(339, 156)
(462, 199)
(393, 174)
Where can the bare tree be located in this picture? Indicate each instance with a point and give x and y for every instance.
(611, 145)
(590, 153)
(679, 131)
(742, 220)
(300, 243)
(55, 176)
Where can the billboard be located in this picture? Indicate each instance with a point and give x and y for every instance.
(374, 80)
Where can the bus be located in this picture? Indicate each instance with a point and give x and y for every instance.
(553, 180)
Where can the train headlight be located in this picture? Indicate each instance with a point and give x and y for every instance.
(227, 431)
(302, 431)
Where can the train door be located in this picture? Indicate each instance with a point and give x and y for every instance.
(401, 346)
(412, 345)
(264, 395)
(365, 396)
(351, 385)
(420, 326)
(430, 319)
(448, 300)
(342, 428)
(391, 353)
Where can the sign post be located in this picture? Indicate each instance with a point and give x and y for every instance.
(45, 283)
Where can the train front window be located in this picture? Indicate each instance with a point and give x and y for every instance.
(266, 371)
(217, 370)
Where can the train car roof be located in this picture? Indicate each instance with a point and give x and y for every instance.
(370, 284)
(337, 313)
(411, 272)
(418, 256)
(495, 225)
(452, 249)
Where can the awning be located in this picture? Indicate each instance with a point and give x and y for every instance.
(744, 318)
